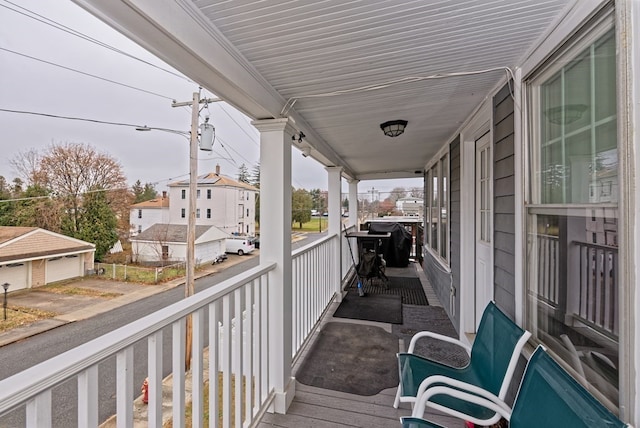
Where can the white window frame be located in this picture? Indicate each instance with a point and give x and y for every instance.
(582, 38)
(435, 166)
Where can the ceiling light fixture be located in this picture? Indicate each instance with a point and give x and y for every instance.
(393, 128)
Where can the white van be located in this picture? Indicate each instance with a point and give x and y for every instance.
(239, 245)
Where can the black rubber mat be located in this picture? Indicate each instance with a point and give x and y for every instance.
(371, 307)
(353, 358)
(408, 288)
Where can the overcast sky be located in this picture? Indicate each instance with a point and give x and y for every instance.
(36, 61)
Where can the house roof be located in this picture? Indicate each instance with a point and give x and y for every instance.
(25, 243)
(153, 203)
(163, 232)
(215, 180)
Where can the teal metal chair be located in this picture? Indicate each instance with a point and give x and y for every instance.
(492, 363)
(548, 397)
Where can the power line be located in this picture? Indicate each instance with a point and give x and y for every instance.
(239, 126)
(86, 74)
(50, 22)
(104, 122)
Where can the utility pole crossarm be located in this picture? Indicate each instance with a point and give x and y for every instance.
(190, 103)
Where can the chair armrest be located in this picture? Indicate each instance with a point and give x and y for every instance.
(501, 409)
(428, 383)
(441, 337)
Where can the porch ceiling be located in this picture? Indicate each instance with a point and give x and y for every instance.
(257, 55)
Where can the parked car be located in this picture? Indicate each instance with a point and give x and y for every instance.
(255, 240)
(239, 245)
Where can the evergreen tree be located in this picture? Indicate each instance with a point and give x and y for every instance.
(255, 176)
(243, 174)
(98, 223)
(141, 194)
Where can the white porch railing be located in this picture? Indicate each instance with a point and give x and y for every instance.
(236, 358)
(33, 387)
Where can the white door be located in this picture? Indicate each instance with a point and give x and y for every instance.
(16, 274)
(484, 226)
(61, 268)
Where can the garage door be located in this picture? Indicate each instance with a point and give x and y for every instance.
(16, 274)
(60, 268)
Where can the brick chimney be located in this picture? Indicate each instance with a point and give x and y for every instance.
(217, 169)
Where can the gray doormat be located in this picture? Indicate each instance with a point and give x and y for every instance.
(371, 307)
(357, 359)
(435, 319)
(408, 288)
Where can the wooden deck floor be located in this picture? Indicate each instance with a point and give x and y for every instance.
(323, 408)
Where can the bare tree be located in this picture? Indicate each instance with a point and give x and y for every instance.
(71, 169)
(26, 165)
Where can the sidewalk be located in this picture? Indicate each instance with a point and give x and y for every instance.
(71, 308)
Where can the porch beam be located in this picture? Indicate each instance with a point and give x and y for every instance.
(275, 241)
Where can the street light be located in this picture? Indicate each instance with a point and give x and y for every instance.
(6, 287)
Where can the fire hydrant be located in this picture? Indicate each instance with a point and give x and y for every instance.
(145, 391)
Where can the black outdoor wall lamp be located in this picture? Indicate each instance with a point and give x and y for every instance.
(393, 128)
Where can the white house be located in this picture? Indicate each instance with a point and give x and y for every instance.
(145, 214)
(31, 257)
(410, 206)
(223, 202)
(168, 243)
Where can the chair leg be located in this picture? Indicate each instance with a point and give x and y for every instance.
(396, 402)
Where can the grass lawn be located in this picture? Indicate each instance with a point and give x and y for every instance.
(311, 226)
(18, 316)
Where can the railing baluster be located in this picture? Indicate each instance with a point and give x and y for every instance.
(237, 355)
(154, 348)
(214, 362)
(178, 356)
(88, 397)
(39, 410)
(197, 370)
(248, 354)
(124, 388)
(226, 361)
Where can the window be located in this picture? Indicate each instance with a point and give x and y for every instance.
(165, 252)
(208, 212)
(241, 212)
(437, 207)
(139, 229)
(247, 212)
(184, 193)
(572, 221)
(197, 212)
(139, 213)
(208, 193)
(198, 193)
(183, 212)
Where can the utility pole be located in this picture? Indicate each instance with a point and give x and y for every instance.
(189, 287)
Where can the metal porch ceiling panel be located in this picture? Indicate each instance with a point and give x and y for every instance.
(257, 55)
(318, 47)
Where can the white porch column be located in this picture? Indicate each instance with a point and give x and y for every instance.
(354, 212)
(275, 246)
(334, 203)
(334, 208)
